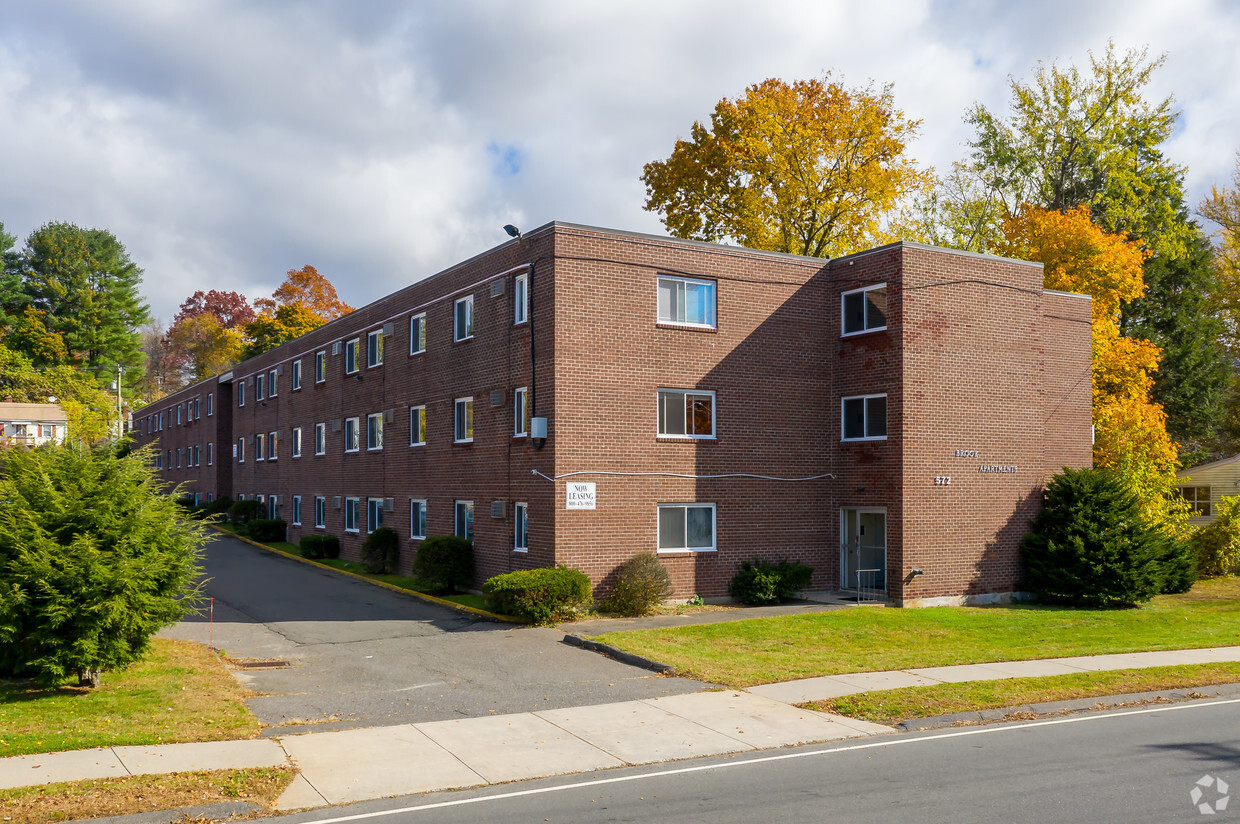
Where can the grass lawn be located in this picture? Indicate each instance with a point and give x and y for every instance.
(178, 692)
(142, 794)
(893, 706)
(764, 650)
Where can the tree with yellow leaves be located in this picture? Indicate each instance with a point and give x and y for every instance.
(809, 168)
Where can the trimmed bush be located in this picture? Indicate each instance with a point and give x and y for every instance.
(445, 563)
(266, 530)
(381, 552)
(1217, 544)
(641, 583)
(319, 546)
(761, 582)
(540, 596)
(242, 512)
(1089, 547)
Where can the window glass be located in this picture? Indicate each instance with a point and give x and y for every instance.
(686, 413)
(374, 514)
(864, 417)
(374, 348)
(350, 355)
(320, 438)
(350, 435)
(320, 367)
(520, 413)
(241, 393)
(465, 520)
(417, 425)
(465, 419)
(297, 374)
(520, 299)
(463, 326)
(417, 519)
(686, 527)
(864, 310)
(260, 384)
(273, 450)
(320, 512)
(272, 377)
(351, 507)
(687, 301)
(297, 510)
(260, 441)
(417, 334)
(521, 527)
(296, 447)
(374, 431)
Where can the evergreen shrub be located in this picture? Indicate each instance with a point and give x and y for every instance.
(316, 547)
(381, 551)
(1217, 544)
(641, 583)
(266, 530)
(445, 562)
(761, 582)
(242, 512)
(540, 596)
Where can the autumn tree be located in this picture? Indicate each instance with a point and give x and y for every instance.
(91, 411)
(1223, 208)
(809, 168)
(208, 333)
(306, 288)
(231, 309)
(268, 331)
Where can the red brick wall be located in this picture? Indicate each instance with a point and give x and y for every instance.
(212, 477)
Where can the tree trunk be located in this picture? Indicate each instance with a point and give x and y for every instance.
(89, 677)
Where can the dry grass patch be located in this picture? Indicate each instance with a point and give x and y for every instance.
(179, 692)
(894, 706)
(143, 793)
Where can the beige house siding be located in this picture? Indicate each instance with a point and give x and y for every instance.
(32, 424)
(1221, 477)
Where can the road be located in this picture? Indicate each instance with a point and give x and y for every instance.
(1125, 766)
(362, 655)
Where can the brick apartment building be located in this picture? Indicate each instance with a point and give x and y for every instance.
(578, 395)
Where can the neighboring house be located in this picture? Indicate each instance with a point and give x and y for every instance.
(32, 424)
(1205, 485)
(578, 395)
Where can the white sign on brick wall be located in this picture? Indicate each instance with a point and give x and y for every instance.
(579, 496)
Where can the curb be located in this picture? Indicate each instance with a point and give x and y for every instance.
(619, 654)
(503, 619)
(1102, 702)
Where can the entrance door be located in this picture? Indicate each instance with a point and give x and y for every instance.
(864, 551)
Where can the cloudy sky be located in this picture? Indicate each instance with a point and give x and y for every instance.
(227, 142)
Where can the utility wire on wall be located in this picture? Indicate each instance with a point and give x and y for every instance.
(677, 475)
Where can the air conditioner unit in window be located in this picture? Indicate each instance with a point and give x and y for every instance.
(497, 509)
(497, 287)
(335, 347)
(389, 416)
(335, 502)
(280, 369)
(336, 424)
(497, 397)
(389, 329)
(389, 504)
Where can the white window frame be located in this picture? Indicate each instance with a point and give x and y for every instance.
(685, 395)
(520, 527)
(865, 399)
(296, 510)
(417, 337)
(463, 420)
(865, 319)
(210, 453)
(352, 508)
(520, 412)
(417, 425)
(466, 529)
(374, 432)
(352, 356)
(178, 414)
(417, 517)
(240, 450)
(714, 528)
(296, 447)
(296, 376)
(374, 348)
(320, 439)
(374, 506)
(459, 333)
(320, 512)
(273, 445)
(712, 322)
(260, 447)
(241, 393)
(352, 425)
(210, 404)
(521, 299)
(320, 366)
(260, 387)
(273, 380)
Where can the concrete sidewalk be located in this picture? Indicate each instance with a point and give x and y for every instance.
(354, 765)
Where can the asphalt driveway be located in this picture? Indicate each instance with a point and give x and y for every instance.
(363, 655)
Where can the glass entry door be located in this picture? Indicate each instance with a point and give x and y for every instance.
(864, 551)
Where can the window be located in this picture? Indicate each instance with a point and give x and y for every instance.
(296, 510)
(320, 439)
(687, 301)
(272, 377)
(260, 443)
(296, 374)
(417, 334)
(374, 514)
(320, 367)
(686, 413)
(1198, 498)
(178, 413)
(178, 457)
(520, 414)
(465, 520)
(197, 455)
(260, 384)
(417, 426)
(350, 356)
(351, 507)
(374, 431)
(240, 496)
(865, 418)
(350, 435)
(210, 454)
(320, 511)
(463, 326)
(296, 441)
(521, 298)
(864, 310)
(273, 450)
(210, 404)
(240, 450)
(464, 420)
(374, 348)
(521, 528)
(417, 519)
(240, 393)
(686, 527)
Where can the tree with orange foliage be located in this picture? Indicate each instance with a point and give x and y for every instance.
(307, 288)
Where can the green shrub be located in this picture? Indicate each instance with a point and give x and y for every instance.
(266, 530)
(1088, 545)
(540, 596)
(445, 562)
(761, 582)
(1217, 544)
(216, 507)
(641, 583)
(319, 546)
(1179, 567)
(242, 512)
(381, 552)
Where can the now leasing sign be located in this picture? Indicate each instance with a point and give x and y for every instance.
(579, 496)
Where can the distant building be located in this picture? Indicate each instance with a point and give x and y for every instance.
(32, 424)
(579, 395)
(1205, 485)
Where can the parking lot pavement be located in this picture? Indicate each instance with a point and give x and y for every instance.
(360, 655)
